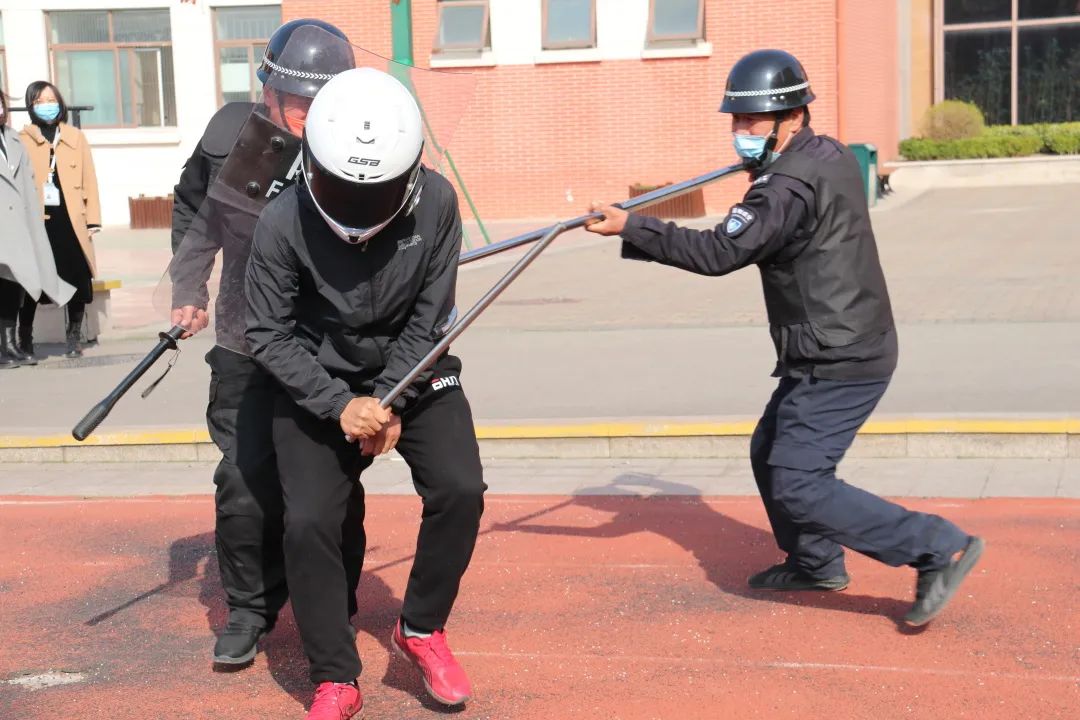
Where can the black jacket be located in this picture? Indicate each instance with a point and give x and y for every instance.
(333, 321)
(777, 226)
(209, 219)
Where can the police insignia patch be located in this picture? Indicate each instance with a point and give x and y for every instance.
(764, 179)
(739, 218)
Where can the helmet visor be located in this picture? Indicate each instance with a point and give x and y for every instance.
(353, 205)
(308, 61)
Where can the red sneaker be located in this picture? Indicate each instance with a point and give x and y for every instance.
(444, 679)
(336, 701)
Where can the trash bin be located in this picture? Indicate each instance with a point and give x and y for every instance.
(866, 154)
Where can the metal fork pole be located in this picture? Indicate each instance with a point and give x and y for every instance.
(641, 201)
(543, 238)
(474, 312)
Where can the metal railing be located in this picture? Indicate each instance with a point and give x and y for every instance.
(75, 110)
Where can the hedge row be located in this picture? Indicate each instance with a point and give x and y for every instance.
(984, 146)
(999, 141)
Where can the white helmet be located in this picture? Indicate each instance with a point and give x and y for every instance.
(362, 146)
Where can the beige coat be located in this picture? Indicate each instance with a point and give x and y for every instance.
(75, 165)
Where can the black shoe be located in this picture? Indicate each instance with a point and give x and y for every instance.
(783, 577)
(26, 347)
(934, 588)
(236, 645)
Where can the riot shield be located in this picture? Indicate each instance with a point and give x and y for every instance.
(206, 274)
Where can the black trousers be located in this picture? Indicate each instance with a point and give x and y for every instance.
(250, 514)
(320, 474)
(806, 429)
(76, 311)
(11, 298)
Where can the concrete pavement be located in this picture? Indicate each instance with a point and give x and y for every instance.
(983, 283)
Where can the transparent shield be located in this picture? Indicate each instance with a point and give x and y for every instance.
(205, 278)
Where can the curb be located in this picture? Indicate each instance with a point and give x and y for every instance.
(887, 438)
(984, 172)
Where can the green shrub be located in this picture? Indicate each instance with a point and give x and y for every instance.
(999, 141)
(1058, 138)
(984, 146)
(1014, 130)
(1062, 139)
(952, 120)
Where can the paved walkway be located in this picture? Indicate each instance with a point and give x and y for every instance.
(983, 283)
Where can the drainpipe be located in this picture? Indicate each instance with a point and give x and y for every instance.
(401, 31)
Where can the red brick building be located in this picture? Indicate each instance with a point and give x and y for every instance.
(576, 100)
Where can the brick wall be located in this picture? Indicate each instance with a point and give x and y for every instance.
(869, 74)
(366, 22)
(541, 141)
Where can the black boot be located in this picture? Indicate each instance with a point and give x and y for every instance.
(73, 331)
(26, 344)
(10, 357)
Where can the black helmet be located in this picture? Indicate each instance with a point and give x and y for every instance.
(326, 53)
(766, 81)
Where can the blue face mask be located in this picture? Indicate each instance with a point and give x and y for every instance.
(750, 147)
(47, 111)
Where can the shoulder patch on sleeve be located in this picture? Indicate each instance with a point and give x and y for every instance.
(739, 218)
(763, 180)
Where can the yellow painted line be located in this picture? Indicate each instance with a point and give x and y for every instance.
(1062, 426)
(1065, 426)
(685, 429)
(162, 437)
(102, 285)
(593, 430)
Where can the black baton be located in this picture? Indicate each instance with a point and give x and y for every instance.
(100, 411)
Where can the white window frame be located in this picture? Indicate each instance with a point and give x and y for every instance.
(653, 39)
(117, 47)
(570, 45)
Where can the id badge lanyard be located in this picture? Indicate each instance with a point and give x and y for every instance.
(51, 193)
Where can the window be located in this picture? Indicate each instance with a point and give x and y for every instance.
(240, 37)
(464, 25)
(569, 24)
(676, 21)
(118, 61)
(971, 11)
(1018, 60)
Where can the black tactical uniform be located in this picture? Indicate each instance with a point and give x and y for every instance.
(241, 162)
(202, 168)
(248, 504)
(333, 321)
(805, 223)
